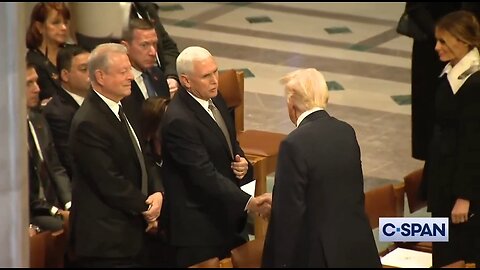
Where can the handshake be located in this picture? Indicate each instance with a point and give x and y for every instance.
(261, 205)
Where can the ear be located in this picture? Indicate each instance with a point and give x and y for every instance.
(124, 43)
(185, 81)
(64, 75)
(292, 111)
(99, 77)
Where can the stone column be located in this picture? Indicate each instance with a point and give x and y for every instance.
(14, 241)
(96, 23)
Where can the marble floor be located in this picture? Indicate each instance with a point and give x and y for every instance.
(366, 64)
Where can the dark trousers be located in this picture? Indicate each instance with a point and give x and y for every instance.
(463, 244)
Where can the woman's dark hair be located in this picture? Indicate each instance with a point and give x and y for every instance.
(152, 114)
(40, 14)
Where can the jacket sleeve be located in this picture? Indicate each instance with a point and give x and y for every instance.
(288, 208)
(466, 181)
(57, 172)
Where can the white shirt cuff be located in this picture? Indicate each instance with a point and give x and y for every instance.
(68, 205)
(248, 203)
(53, 210)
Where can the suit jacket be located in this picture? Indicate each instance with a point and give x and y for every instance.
(318, 215)
(205, 202)
(132, 104)
(48, 78)
(106, 216)
(59, 113)
(453, 163)
(50, 174)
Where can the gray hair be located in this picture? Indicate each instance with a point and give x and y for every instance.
(306, 88)
(99, 58)
(187, 56)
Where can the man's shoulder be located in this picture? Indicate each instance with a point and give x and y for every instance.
(88, 111)
(58, 105)
(320, 127)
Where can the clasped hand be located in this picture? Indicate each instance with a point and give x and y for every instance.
(239, 167)
(261, 205)
(154, 202)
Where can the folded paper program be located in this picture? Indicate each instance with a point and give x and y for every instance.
(407, 258)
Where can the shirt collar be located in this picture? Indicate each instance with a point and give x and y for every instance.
(459, 73)
(77, 98)
(114, 106)
(203, 103)
(307, 113)
(136, 73)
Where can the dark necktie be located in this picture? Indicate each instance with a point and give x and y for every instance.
(148, 84)
(221, 124)
(46, 190)
(126, 127)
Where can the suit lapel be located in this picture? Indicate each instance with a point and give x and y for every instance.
(204, 117)
(116, 125)
(136, 92)
(109, 116)
(159, 81)
(68, 99)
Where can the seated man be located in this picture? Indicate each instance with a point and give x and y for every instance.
(49, 184)
(148, 81)
(72, 64)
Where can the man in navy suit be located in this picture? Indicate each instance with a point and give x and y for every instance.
(148, 80)
(318, 215)
(204, 166)
(72, 64)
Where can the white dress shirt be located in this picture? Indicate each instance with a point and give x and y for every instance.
(204, 104)
(137, 76)
(307, 113)
(115, 106)
(77, 98)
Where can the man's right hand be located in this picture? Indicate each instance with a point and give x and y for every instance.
(261, 205)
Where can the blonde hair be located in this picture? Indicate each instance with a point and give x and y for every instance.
(306, 88)
(463, 25)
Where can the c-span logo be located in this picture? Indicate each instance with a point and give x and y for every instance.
(413, 229)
